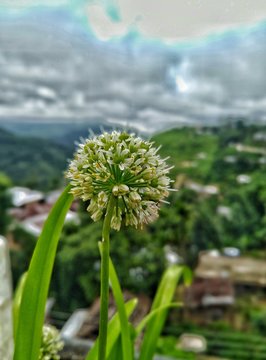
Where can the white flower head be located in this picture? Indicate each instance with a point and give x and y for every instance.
(51, 343)
(126, 167)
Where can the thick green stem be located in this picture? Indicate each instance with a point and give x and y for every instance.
(105, 279)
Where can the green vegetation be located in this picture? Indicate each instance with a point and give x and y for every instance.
(232, 213)
(169, 346)
(4, 203)
(192, 222)
(218, 157)
(32, 307)
(191, 151)
(226, 344)
(31, 296)
(32, 162)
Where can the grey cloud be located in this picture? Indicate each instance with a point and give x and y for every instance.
(51, 73)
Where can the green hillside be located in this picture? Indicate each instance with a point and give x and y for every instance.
(220, 174)
(221, 202)
(189, 150)
(33, 162)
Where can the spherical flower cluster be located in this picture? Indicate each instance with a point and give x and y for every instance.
(125, 167)
(51, 343)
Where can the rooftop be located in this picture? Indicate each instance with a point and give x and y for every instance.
(21, 196)
(240, 269)
(35, 223)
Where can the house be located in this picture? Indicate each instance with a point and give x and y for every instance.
(34, 224)
(26, 203)
(242, 270)
(207, 300)
(220, 278)
(204, 190)
(31, 208)
(22, 196)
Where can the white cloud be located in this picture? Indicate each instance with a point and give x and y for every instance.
(104, 28)
(170, 20)
(178, 20)
(19, 4)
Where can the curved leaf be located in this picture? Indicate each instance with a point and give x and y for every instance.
(32, 308)
(17, 301)
(114, 330)
(163, 298)
(152, 314)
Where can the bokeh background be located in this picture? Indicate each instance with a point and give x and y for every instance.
(189, 75)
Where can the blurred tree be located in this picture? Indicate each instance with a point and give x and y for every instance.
(21, 254)
(137, 255)
(5, 203)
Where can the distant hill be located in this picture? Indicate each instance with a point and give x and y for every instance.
(203, 154)
(55, 130)
(65, 133)
(34, 162)
(59, 131)
(217, 154)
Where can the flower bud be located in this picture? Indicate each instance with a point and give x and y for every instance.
(120, 190)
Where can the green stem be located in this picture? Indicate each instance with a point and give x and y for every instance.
(105, 279)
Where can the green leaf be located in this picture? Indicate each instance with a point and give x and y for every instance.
(152, 314)
(127, 345)
(163, 298)
(187, 275)
(32, 308)
(17, 301)
(117, 352)
(114, 331)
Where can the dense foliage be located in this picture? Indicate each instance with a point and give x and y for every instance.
(220, 202)
(32, 162)
(232, 159)
(4, 203)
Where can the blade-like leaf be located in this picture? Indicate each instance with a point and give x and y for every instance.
(152, 314)
(117, 352)
(187, 275)
(32, 308)
(17, 301)
(163, 297)
(114, 331)
(127, 345)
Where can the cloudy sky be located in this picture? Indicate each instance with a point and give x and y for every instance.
(167, 19)
(151, 64)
